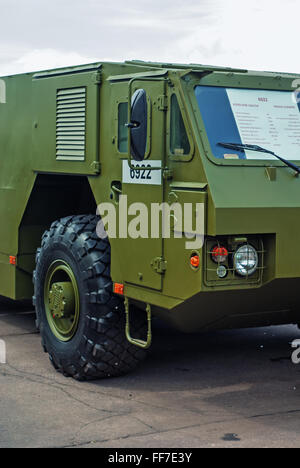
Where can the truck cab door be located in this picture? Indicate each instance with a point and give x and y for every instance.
(140, 253)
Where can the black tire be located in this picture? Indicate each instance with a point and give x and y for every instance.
(99, 347)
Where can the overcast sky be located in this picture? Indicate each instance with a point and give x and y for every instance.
(256, 34)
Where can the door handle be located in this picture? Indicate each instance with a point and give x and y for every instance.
(116, 190)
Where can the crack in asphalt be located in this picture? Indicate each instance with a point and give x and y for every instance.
(99, 420)
(57, 387)
(278, 413)
(36, 378)
(143, 422)
(43, 380)
(48, 381)
(175, 429)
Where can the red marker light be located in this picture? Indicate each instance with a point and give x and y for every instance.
(12, 260)
(219, 254)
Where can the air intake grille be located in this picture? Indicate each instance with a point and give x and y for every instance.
(70, 124)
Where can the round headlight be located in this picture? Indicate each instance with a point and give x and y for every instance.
(245, 260)
(222, 271)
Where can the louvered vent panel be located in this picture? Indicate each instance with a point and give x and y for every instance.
(70, 124)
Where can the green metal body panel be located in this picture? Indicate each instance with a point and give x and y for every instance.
(40, 181)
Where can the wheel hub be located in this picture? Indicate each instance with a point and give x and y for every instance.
(61, 300)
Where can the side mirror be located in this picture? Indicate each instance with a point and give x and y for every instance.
(138, 124)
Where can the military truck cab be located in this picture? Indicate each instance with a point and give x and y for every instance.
(132, 190)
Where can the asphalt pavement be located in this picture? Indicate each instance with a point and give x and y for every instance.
(235, 388)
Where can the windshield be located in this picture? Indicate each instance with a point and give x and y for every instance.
(270, 119)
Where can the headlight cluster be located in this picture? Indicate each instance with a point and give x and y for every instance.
(244, 260)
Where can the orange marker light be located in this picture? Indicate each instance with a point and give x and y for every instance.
(195, 261)
(119, 288)
(13, 260)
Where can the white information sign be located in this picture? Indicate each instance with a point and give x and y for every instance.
(270, 119)
(143, 174)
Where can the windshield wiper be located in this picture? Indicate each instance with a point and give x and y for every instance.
(242, 147)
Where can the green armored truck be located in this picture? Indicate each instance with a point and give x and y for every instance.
(136, 190)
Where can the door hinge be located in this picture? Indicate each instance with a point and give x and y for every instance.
(162, 103)
(159, 265)
(167, 174)
(96, 166)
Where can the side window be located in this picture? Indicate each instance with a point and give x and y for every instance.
(179, 142)
(122, 130)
